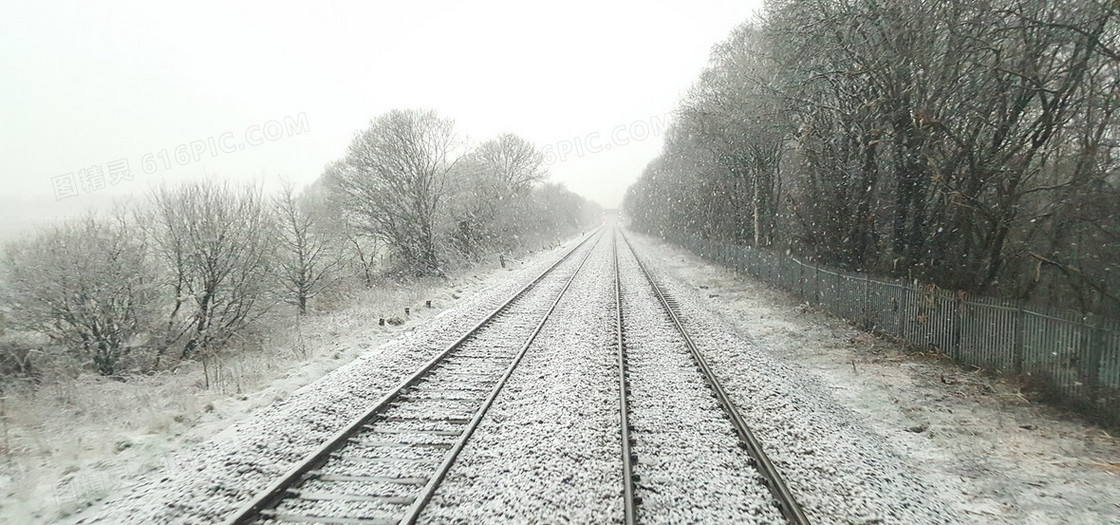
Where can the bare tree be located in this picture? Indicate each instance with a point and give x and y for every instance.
(513, 162)
(734, 112)
(393, 180)
(363, 249)
(958, 142)
(307, 263)
(554, 211)
(490, 186)
(358, 249)
(87, 285)
(474, 199)
(216, 243)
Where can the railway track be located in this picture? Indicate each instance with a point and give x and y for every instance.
(768, 474)
(385, 465)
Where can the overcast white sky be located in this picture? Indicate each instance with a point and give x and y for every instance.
(89, 84)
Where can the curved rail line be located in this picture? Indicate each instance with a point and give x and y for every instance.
(290, 489)
(770, 476)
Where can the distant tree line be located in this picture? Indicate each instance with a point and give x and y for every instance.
(967, 144)
(196, 266)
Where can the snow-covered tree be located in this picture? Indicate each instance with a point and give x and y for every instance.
(217, 246)
(307, 262)
(87, 284)
(393, 180)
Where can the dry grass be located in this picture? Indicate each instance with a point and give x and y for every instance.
(71, 442)
(61, 437)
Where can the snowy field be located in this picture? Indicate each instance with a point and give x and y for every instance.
(863, 432)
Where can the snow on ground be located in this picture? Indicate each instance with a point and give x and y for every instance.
(690, 465)
(863, 430)
(203, 482)
(985, 453)
(548, 450)
(76, 442)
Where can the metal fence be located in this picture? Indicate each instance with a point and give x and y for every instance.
(1070, 357)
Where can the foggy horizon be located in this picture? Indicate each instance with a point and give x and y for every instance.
(139, 96)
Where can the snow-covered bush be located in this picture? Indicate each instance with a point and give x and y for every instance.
(88, 285)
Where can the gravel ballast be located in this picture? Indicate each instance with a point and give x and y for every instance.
(690, 466)
(838, 470)
(548, 450)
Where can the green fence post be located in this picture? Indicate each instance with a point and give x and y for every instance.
(958, 327)
(1096, 353)
(867, 324)
(1017, 346)
(816, 284)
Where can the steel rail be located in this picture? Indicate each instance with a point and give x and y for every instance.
(417, 507)
(773, 480)
(629, 500)
(278, 490)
